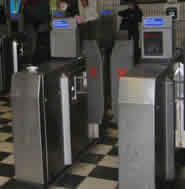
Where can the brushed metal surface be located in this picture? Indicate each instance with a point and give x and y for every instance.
(134, 92)
(138, 84)
(64, 87)
(146, 128)
(25, 98)
(15, 56)
(179, 100)
(65, 42)
(136, 146)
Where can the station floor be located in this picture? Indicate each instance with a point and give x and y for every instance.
(96, 169)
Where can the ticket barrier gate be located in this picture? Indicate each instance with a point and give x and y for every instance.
(151, 110)
(146, 127)
(50, 120)
(94, 63)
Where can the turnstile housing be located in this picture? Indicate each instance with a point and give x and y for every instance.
(146, 127)
(64, 38)
(50, 121)
(95, 73)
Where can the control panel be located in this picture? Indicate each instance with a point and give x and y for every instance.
(157, 37)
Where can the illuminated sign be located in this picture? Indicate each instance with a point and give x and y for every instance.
(106, 12)
(60, 24)
(151, 21)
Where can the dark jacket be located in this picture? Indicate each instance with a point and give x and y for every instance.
(36, 12)
(131, 17)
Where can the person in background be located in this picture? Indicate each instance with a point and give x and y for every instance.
(134, 15)
(36, 19)
(35, 11)
(65, 6)
(87, 18)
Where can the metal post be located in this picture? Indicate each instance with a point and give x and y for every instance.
(15, 57)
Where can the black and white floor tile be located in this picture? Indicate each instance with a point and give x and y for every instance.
(97, 168)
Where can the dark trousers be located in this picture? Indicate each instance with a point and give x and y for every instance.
(88, 30)
(135, 37)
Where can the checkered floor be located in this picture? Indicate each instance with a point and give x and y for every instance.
(98, 168)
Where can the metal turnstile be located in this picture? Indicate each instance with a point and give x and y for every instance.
(64, 38)
(146, 127)
(94, 64)
(179, 101)
(122, 59)
(49, 117)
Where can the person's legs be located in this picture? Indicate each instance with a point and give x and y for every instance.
(92, 30)
(37, 13)
(136, 48)
(83, 28)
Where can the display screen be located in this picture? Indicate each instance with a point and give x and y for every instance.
(60, 24)
(153, 43)
(152, 21)
(106, 12)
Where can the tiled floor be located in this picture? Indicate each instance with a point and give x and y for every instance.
(96, 169)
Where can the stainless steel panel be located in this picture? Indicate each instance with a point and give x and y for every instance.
(138, 84)
(136, 94)
(146, 128)
(47, 131)
(30, 163)
(136, 146)
(15, 56)
(179, 100)
(64, 86)
(65, 41)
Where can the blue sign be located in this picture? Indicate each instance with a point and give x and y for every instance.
(151, 21)
(15, 6)
(106, 12)
(61, 24)
(58, 14)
